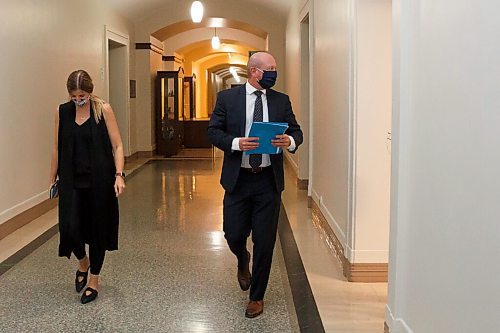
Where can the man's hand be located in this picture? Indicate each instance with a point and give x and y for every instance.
(282, 141)
(249, 143)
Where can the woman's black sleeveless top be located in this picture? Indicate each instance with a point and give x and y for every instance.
(102, 230)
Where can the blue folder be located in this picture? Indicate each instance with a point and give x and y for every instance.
(266, 131)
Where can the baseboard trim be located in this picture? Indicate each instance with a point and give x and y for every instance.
(132, 157)
(366, 272)
(138, 154)
(26, 217)
(302, 184)
(354, 272)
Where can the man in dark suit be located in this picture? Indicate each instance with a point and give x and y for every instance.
(253, 183)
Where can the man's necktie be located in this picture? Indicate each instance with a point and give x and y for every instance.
(258, 115)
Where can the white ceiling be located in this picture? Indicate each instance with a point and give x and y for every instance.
(137, 10)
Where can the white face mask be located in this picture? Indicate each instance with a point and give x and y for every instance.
(81, 102)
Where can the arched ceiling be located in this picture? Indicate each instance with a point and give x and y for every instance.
(227, 35)
(211, 22)
(223, 70)
(137, 10)
(221, 59)
(203, 48)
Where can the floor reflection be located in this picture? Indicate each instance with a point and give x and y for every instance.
(172, 272)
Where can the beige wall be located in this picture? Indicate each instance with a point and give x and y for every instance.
(331, 112)
(292, 75)
(370, 124)
(144, 136)
(329, 52)
(350, 57)
(41, 45)
(156, 64)
(443, 266)
(148, 62)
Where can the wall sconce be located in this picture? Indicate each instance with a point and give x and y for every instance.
(215, 41)
(196, 11)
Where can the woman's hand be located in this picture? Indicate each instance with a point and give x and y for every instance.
(119, 185)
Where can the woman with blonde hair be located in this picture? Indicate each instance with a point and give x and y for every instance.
(87, 159)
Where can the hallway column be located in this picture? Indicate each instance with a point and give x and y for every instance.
(350, 118)
(367, 241)
(148, 62)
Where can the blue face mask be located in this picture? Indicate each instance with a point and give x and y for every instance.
(81, 102)
(268, 78)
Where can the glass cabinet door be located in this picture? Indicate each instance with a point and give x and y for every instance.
(171, 98)
(169, 112)
(189, 97)
(187, 100)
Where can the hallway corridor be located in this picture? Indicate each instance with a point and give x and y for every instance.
(394, 188)
(174, 273)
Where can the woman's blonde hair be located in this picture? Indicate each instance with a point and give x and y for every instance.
(81, 80)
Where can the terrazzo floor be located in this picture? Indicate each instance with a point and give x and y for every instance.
(172, 273)
(175, 274)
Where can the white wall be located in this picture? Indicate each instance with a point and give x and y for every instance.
(148, 62)
(445, 213)
(331, 112)
(370, 123)
(119, 92)
(294, 77)
(350, 51)
(41, 45)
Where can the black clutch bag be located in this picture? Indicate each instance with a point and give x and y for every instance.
(54, 190)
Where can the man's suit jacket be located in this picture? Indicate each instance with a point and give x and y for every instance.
(228, 122)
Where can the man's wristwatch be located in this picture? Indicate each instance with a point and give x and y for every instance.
(121, 174)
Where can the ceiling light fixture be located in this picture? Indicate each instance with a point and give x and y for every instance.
(215, 41)
(233, 71)
(196, 11)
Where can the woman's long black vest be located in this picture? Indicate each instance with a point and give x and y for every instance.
(102, 229)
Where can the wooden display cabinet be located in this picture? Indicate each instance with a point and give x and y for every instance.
(169, 111)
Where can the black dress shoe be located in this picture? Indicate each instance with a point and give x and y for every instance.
(244, 276)
(79, 284)
(90, 297)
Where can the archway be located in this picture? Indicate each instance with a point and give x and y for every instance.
(188, 45)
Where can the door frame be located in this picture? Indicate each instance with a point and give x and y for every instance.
(116, 36)
(307, 12)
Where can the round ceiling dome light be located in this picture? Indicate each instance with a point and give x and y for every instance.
(197, 11)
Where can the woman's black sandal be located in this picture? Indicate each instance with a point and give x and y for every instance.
(79, 284)
(90, 297)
